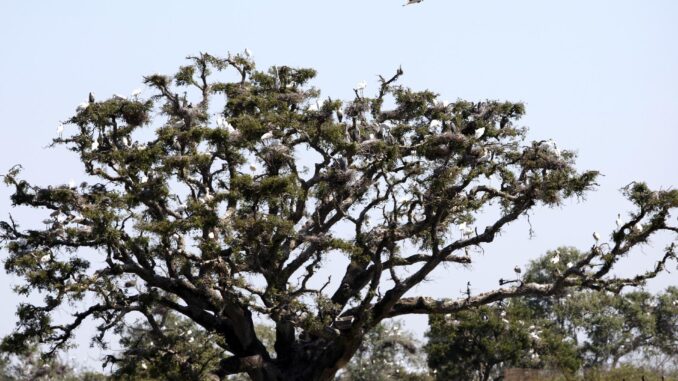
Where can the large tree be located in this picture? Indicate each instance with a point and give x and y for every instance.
(227, 211)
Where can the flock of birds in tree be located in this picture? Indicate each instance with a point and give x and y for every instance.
(466, 231)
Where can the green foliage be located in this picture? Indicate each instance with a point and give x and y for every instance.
(481, 343)
(223, 216)
(578, 331)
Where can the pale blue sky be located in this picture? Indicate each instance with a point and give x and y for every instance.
(599, 77)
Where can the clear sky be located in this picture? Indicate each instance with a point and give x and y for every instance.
(599, 77)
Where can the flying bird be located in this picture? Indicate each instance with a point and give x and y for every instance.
(410, 2)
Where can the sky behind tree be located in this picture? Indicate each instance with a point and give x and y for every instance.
(597, 77)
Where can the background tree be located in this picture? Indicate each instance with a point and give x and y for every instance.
(480, 344)
(215, 216)
(587, 330)
(386, 353)
(30, 366)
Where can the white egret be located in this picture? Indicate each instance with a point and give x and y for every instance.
(229, 127)
(266, 136)
(221, 122)
(435, 124)
(248, 53)
(480, 132)
(555, 259)
(60, 129)
(619, 221)
(144, 366)
(45, 258)
(210, 235)
(136, 92)
(71, 183)
(119, 96)
(95, 145)
(143, 179)
(125, 141)
(82, 107)
(360, 86)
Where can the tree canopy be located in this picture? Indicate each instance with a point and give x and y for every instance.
(248, 183)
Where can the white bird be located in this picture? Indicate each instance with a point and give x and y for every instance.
(188, 333)
(221, 122)
(143, 179)
(95, 145)
(60, 129)
(480, 132)
(619, 221)
(82, 107)
(125, 141)
(136, 93)
(266, 136)
(248, 53)
(144, 366)
(569, 264)
(210, 235)
(555, 259)
(465, 229)
(119, 96)
(314, 107)
(410, 2)
(360, 86)
(231, 130)
(45, 258)
(435, 123)
(71, 183)
(596, 236)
